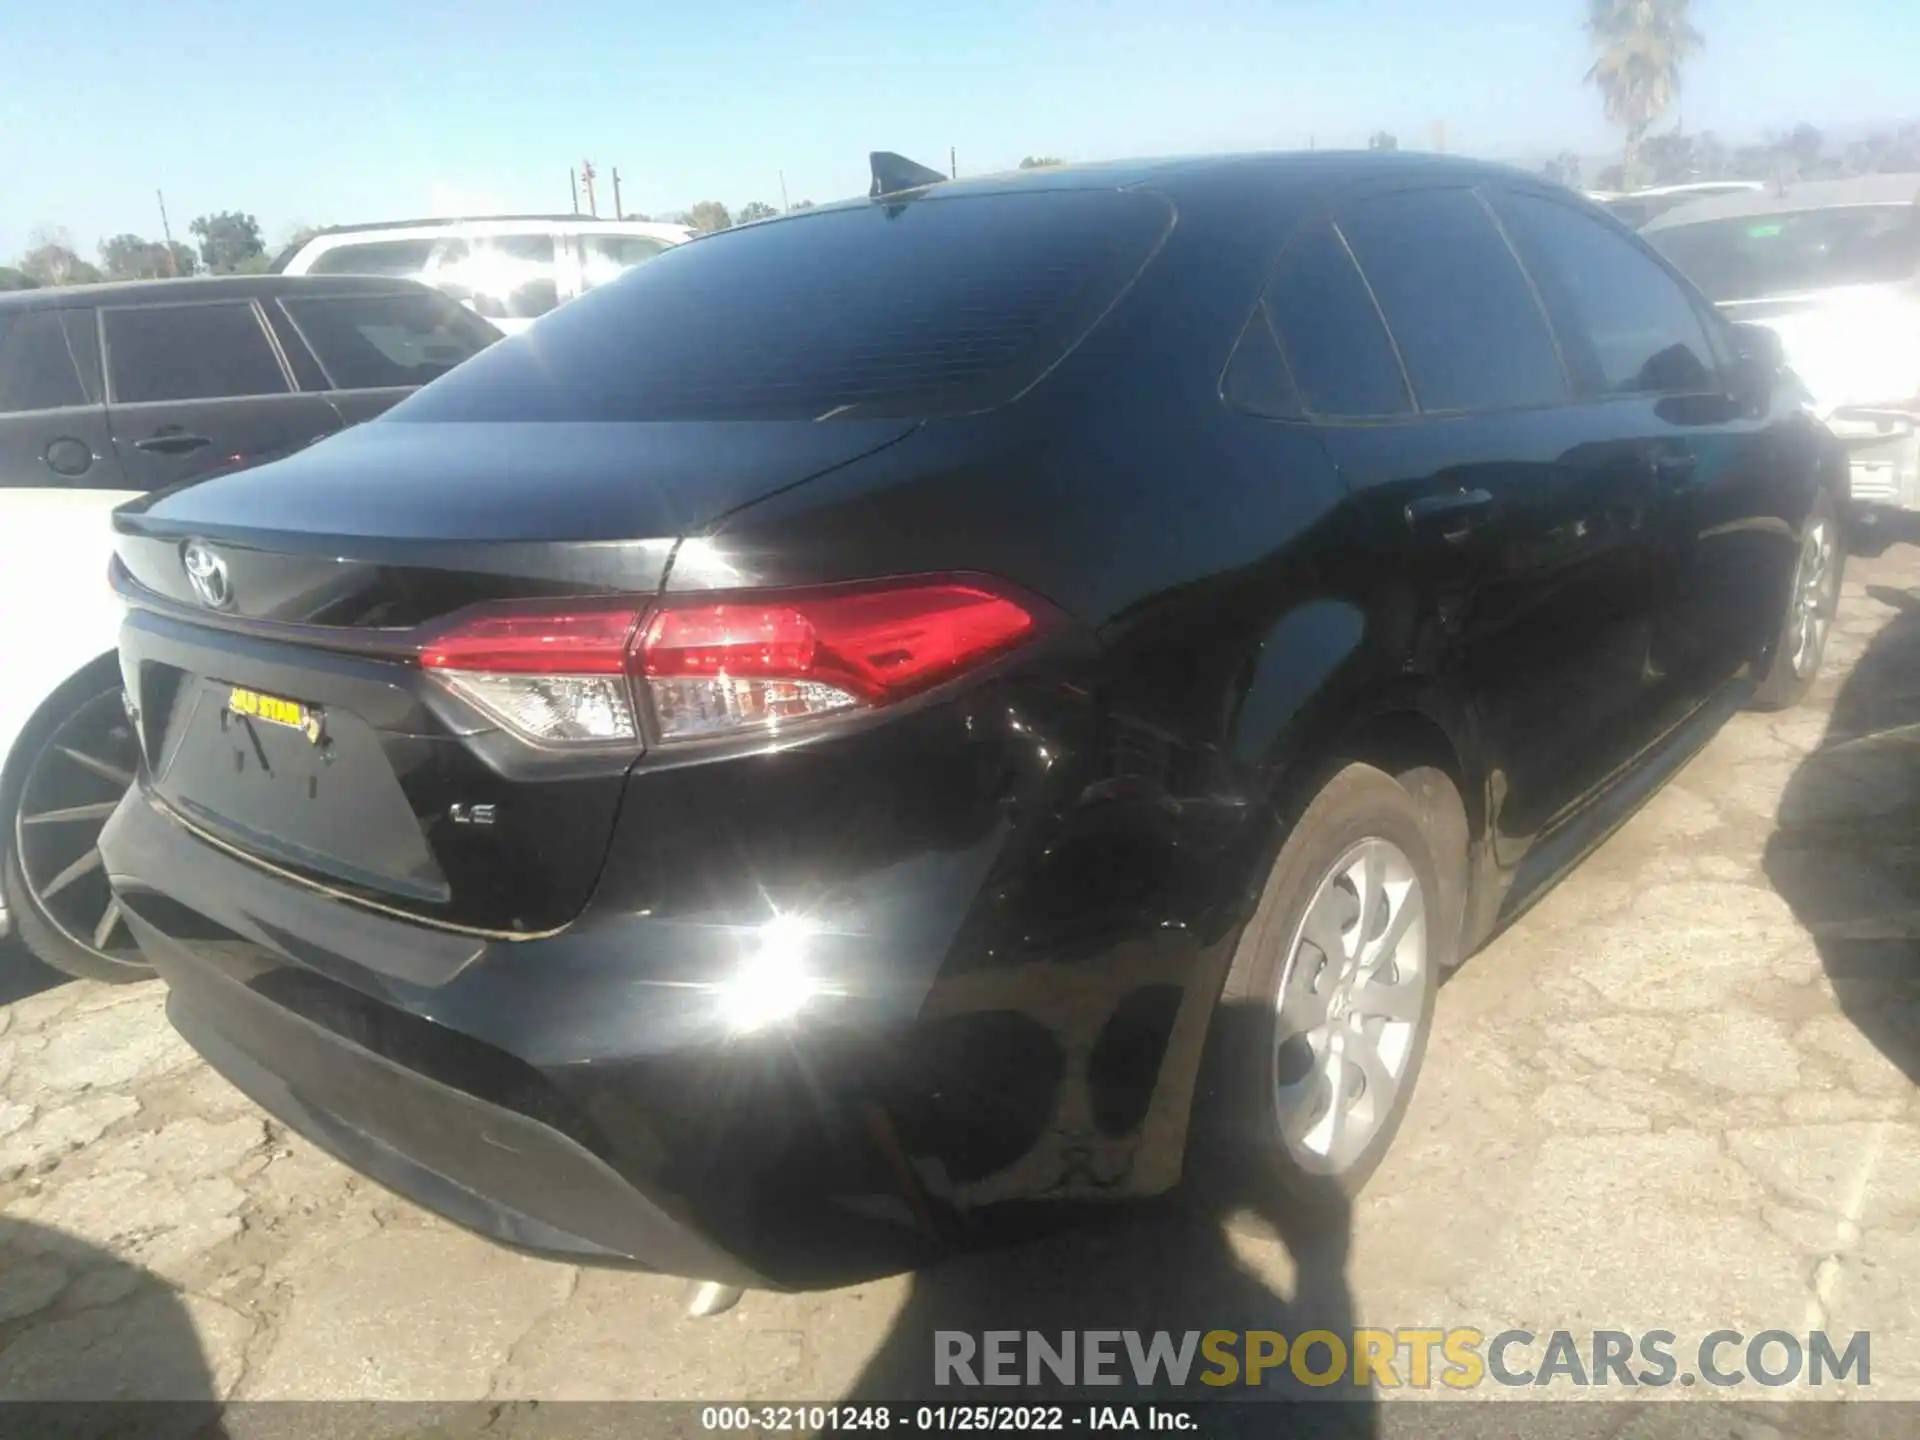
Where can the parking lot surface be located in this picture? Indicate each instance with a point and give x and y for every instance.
(1678, 1094)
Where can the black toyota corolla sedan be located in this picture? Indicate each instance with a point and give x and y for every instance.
(964, 700)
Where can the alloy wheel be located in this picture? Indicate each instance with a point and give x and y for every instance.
(72, 785)
(1812, 601)
(1352, 998)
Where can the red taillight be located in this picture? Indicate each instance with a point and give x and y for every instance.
(714, 666)
(545, 640)
(877, 645)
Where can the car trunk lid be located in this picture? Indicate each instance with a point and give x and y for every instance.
(276, 620)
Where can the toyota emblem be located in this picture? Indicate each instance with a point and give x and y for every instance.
(207, 573)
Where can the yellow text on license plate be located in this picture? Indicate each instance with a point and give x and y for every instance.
(275, 711)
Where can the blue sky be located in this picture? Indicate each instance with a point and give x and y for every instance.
(354, 110)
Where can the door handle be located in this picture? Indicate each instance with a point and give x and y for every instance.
(1675, 467)
(1453, 514)
(171, 444)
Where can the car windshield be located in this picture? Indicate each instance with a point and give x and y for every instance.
(1763, 255)
(917, 309)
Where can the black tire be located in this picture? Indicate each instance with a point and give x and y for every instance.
(52, 933)
(1791, 667)
(1240, 1139)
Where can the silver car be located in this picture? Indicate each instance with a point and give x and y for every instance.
(1833, 267)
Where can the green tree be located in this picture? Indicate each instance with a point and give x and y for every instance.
(1641, 46)
(1667, 159)
(1040, 162)
(51, 263)
(1383, 140)
(133, 257)
(808, 204)
(14, 278)
(1563, 169)
(228, 240)
(708, 216)
(754, 210)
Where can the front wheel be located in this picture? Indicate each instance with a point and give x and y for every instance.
(72, 766)
(1800, 646)
(1324, 1018)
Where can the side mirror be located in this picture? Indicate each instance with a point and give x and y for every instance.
(1759, 346)
(1760, 364)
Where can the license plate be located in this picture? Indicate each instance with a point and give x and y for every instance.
(290, 714)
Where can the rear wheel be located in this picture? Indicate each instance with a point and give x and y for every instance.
(71, 768)
(1323, 1022)
(1801, 644)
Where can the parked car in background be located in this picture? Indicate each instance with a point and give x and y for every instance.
(108, 393)
(1637, 207)
(901, 713)
(511, 269)
(1833, 267)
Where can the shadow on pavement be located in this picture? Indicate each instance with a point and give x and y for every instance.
(22, 976)
(1846, 853)
(1175, 1266)
(91, 1345)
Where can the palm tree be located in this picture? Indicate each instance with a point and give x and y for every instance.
(1642, 44)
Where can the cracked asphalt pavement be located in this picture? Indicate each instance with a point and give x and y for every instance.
(1678, 1094)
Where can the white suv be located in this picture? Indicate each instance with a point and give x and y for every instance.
(1833, 267)
(511, 269)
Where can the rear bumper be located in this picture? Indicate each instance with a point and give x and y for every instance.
(1882, 476)
(369, 1082)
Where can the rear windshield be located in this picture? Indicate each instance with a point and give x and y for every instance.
(371, 342)
(1766, 255)
(916, 308)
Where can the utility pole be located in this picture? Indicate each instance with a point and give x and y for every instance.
(573, 179)
(953, 163)
(785, 208)
(586, 178)
(166, 230)
(618, 213)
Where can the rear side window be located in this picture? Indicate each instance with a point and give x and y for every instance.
(1336, 349)
(917, 308)
(38, 367)
(1461, 311)
(374, 257)
(503, 277)
(373, 342)
(1257, 379)
(1634, 327)
(190, 352)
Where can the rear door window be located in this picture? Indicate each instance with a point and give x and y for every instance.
(1636, 326)
(607, 257)
(39, 366)
(374, 257)
(921, 307)
(1468, 328)
(190, 352)
(1335, 349)
(374, 342)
